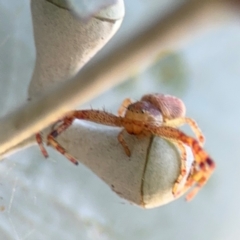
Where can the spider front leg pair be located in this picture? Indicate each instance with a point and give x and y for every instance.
(96, 116)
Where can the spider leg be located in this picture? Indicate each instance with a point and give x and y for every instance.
(96, 116)
(203, 164)
(177, 122)
(199, 179)
(123, 108)
(67, 122)
(123, 143)
(193, 193)
(183, 170)
(40, 143)
(89, 115)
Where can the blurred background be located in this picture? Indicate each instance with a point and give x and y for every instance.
(51, 199)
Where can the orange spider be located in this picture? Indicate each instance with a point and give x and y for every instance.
(155, 114)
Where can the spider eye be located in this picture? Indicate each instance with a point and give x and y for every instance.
(142, 111)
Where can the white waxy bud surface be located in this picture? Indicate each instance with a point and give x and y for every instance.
(146, 178)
